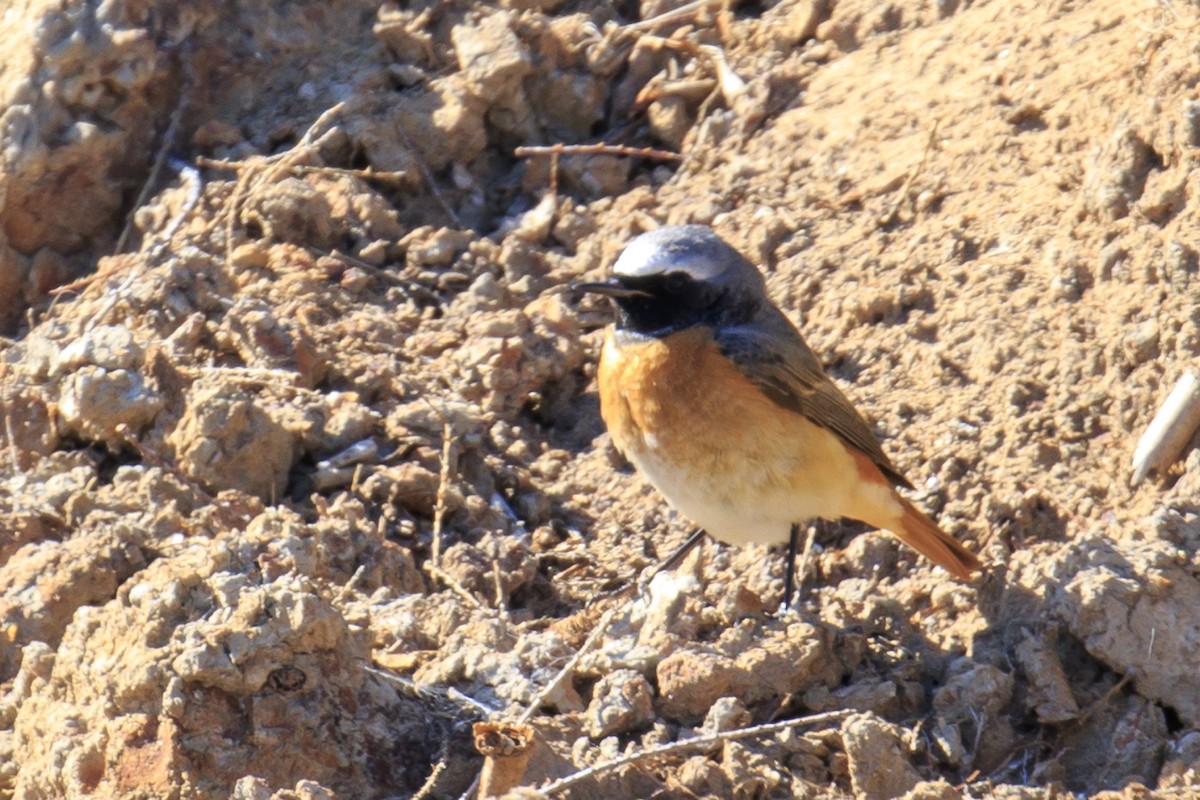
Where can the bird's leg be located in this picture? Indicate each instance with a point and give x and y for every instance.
(673, 560)
(789, 583)
(794, 582)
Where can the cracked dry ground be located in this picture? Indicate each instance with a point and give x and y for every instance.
(335, 326)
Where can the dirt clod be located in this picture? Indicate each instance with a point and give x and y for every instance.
(286, 320)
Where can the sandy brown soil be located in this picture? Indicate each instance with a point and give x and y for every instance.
(304, 472)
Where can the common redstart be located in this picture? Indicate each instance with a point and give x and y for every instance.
(710, 391)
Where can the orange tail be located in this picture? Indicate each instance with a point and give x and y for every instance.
(923, 535)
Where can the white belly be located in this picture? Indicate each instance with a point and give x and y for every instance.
(746, 502)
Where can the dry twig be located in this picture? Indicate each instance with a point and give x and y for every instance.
(255, 174)
(430, 180)
(674, 15)
(439, 509)
(160, 158)
(600, 148)
(307, 169)
(430, 784)
(1170, 430)
(448, 579)
(698, 742)
(569, 667)
(557, 151)
(12, 443)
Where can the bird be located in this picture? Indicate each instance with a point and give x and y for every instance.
(712, 393)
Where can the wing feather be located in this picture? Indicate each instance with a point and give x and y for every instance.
(774, 355)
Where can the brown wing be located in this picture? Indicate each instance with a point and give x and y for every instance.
(773, 354)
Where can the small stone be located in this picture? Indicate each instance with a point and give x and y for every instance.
(690, 682)
(225, 440)
(947, 738)
(934, 790)
(973, 687)
(1141, 344)
(107, 346)
(1180, 263)
(1049, 688)
(492, 60)
(622, 701)
(97, 403)
(726, 714)
(1111, 255)
(437, 248)
(879, 768)
(1191, 122)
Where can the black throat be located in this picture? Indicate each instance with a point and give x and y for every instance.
(662, 311)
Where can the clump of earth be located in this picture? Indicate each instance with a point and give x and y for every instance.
(302, 467)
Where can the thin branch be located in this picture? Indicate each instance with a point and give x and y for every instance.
(430, 784)
(600, 148)
(697, 742)
(439, 508)
(569, 668)
(12, 443)
(250, 178)
(191, 177)
(455, 586)
(461, 700)
(366, 174)
(160, 158)
(674, 15)
(430, 180)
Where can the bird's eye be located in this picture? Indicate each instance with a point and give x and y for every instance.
(676, 282)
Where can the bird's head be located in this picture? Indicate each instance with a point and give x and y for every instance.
(678, 277)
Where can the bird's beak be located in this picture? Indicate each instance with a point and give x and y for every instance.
(609, 288)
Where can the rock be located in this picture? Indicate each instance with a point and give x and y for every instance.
(727, 714)
(1118, 174)
(45, 584)
(498, 563)
(570, 102)
(1141, 343)
(265, 339)
(1181, 762)
(107, 346)
(412, 486)
(491, 59)
(703, 778)
(794, 22)
(1049, 690)
(436, 248)
(84, 95)
(785, 661)
(225, 440)
(622, 701)
(1119, 742)
(103, 405)
(1137, 611)
(933, 790)
(690, 682)
(445, 123)
(14, 267)
(973, 689)
(671, 119)
(27, 421)
(292, 210)
(879, 768)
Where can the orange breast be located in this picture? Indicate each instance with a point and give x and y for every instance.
(722, 452)
(678, 394)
